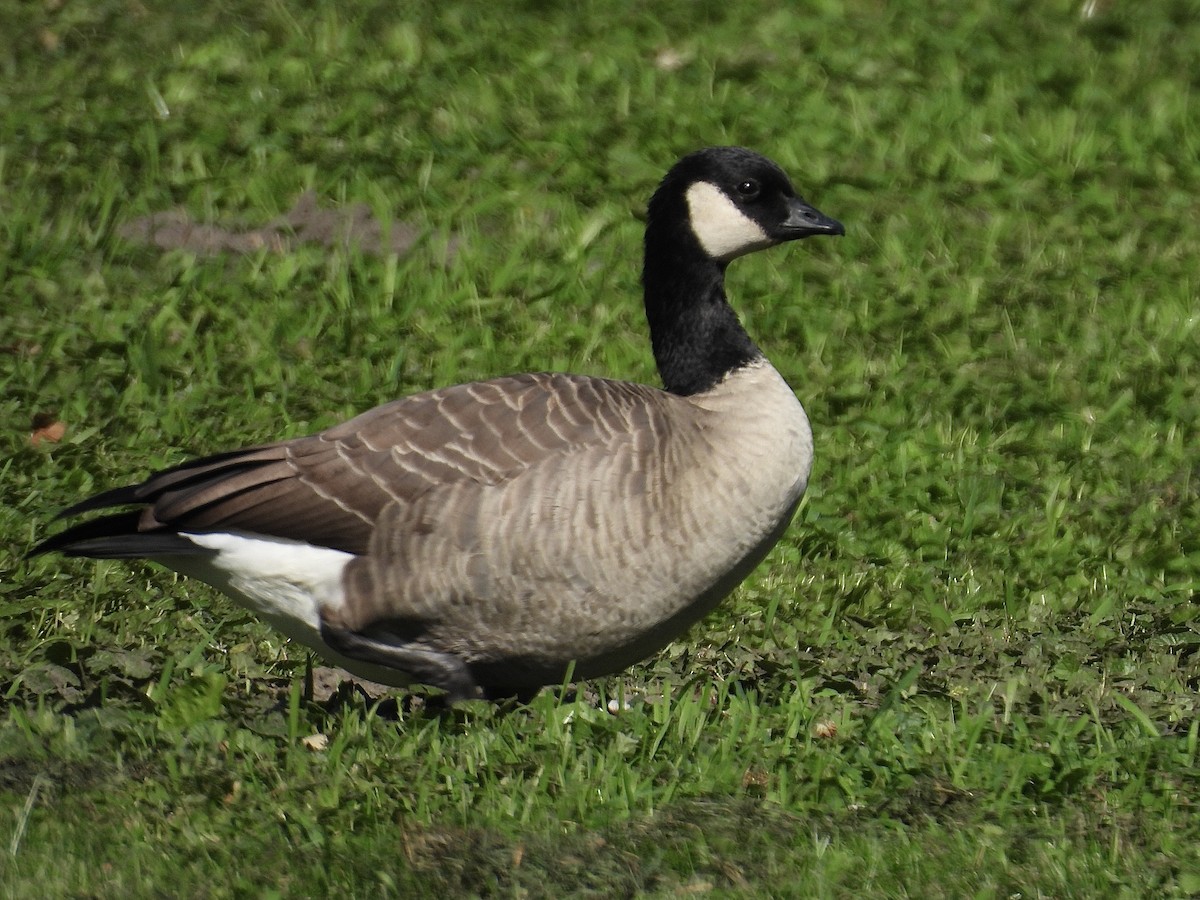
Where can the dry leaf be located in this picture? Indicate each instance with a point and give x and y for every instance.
(316, 742)
(756, 780)
(45, 427)
(826, 730)
(668, 59)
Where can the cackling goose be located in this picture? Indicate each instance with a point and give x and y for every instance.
(483, 538)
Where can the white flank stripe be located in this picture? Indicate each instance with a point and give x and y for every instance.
(285, 582)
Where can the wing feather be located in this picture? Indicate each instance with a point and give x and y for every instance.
(329, 489)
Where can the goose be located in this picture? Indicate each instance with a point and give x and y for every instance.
(489, 538)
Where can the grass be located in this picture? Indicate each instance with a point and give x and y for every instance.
(972, 666)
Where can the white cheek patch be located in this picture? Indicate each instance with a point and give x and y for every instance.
(724, 231)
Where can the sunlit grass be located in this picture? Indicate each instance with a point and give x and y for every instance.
(970, 668)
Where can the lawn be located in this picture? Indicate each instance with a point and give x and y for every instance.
(970, 668)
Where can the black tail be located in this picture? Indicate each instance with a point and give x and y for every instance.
(116, 537)
(133, 534)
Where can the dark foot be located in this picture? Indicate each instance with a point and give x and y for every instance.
(439, 670)
(522, 696)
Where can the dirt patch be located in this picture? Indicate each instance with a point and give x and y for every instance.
(53, 776)
(329, 681)
(350, 227)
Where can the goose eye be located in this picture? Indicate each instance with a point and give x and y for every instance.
(748, 188)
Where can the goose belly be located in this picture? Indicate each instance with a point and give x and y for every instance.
(737, 499)
(602, 575)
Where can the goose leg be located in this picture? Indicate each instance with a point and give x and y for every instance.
(523, 696)
(439, 670)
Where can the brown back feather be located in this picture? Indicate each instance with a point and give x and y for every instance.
(328, 489)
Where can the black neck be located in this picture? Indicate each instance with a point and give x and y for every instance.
(696, 336)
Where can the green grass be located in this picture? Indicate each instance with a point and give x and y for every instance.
(970, 669)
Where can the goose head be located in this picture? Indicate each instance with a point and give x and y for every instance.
(733, 201)
(713, 206)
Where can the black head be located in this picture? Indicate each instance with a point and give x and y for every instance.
(735, 201)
